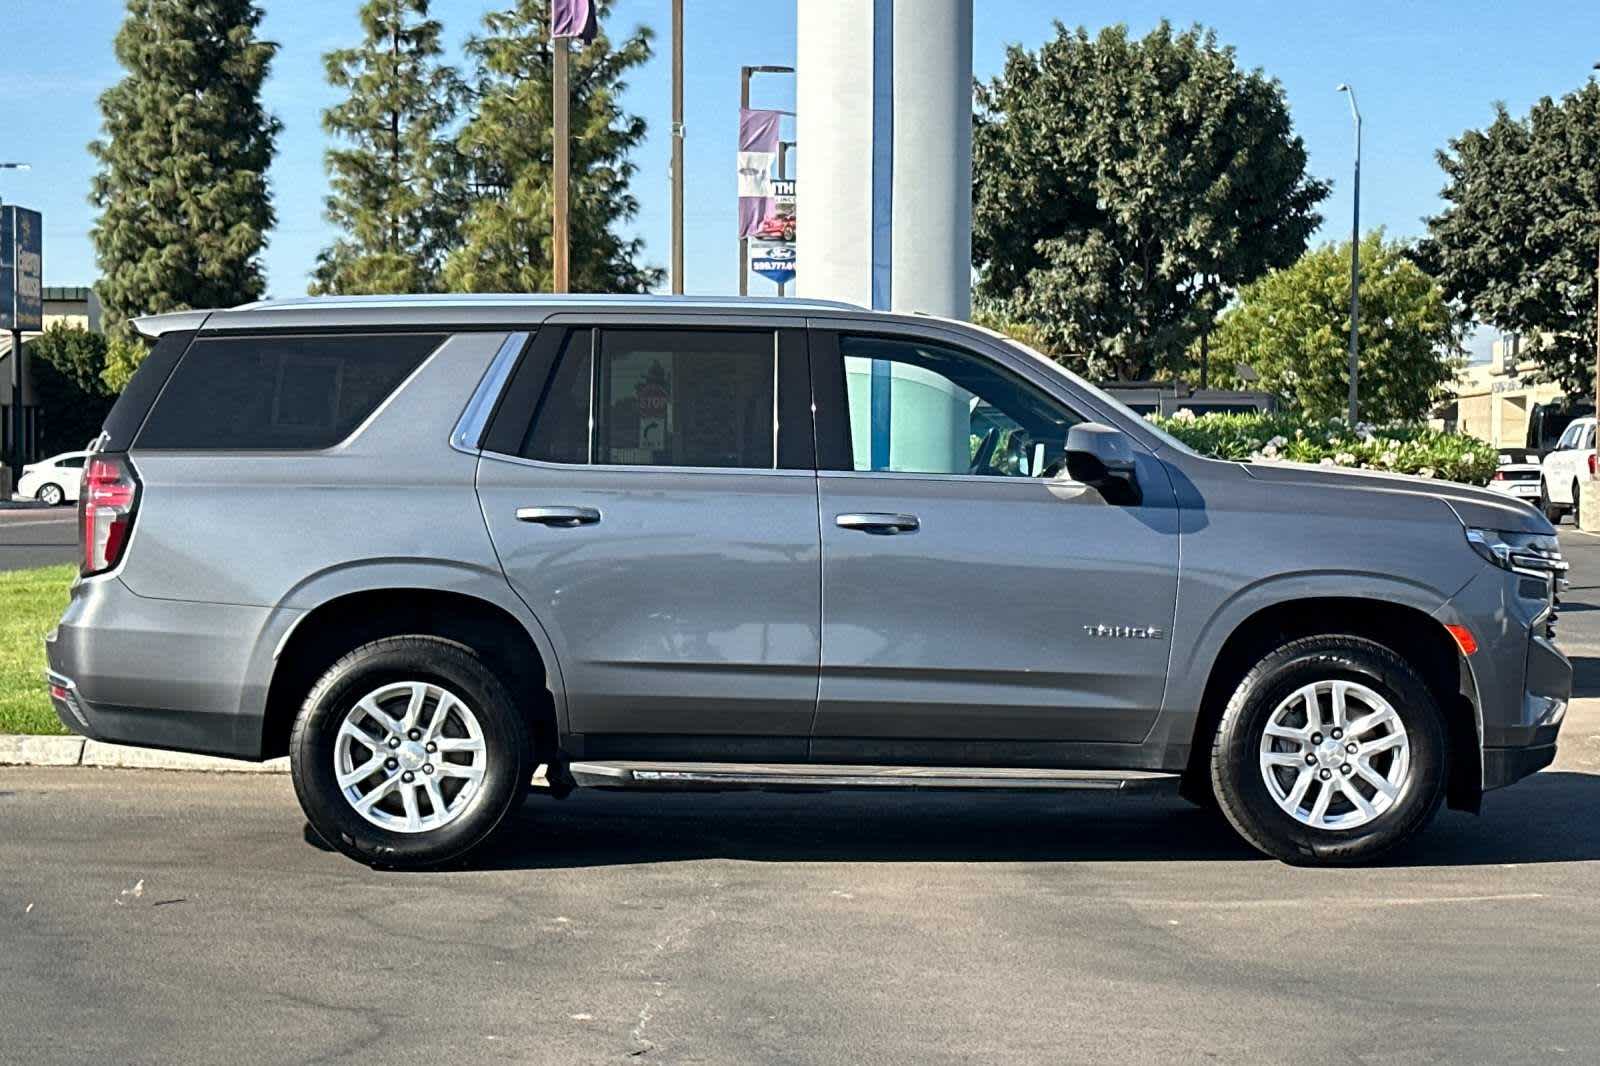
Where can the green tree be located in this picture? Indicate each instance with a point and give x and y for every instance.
(1292, 328)
(1517, 245)
(182, 181)
(508, 144)
(1123, 188)
(397, 189)
(67, 364)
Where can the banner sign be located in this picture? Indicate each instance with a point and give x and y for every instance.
(776, 263)
(21, 269)
(573, 18)
(758, 149)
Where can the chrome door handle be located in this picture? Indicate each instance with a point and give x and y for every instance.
(881, 524)
(564, 517)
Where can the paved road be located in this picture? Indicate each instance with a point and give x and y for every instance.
(180, 918)
(33, 536)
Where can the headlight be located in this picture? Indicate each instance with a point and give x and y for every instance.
(1523, 553)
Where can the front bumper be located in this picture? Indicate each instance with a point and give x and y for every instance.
(1521, 681)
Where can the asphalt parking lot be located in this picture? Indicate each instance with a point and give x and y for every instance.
(37, 536)
(185, 918)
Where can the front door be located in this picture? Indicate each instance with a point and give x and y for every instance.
(652, 496)
(970, 591)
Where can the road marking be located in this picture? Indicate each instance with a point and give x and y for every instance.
(1338, 901)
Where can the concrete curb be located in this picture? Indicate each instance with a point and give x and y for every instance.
(16, 750)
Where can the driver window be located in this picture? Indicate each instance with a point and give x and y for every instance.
(925, 409)
(1569, 439)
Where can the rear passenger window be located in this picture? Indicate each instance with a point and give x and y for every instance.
(280, 392)
(691, 398)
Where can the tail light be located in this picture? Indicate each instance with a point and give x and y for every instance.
(107, 500)
(1591, 464)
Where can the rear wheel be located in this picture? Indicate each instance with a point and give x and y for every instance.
(1576, 510)
(51, 495)
(1331, 751)
(409, 752)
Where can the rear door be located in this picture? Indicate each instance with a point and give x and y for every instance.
(970, 593)
(651, 492)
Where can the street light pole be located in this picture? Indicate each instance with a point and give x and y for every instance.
(744, 104)
(1355, 258)
(783, 174)
(677, 147)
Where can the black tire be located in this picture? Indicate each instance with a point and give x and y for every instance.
(51, 495)
(1552, 511)
(1575, 502)
(508, 751)
(1236, 773)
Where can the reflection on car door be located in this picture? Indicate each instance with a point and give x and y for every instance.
(992, 601)
(653, 499)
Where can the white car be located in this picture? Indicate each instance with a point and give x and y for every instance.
(1563, 470)
(53, 480)
(1518, 475)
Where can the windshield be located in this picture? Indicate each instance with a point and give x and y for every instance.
(1103, 397)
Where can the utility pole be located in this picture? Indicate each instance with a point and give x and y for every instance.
(744, 104)
(1355, 260)
(677, 147)
(783, 174)
(560, 233)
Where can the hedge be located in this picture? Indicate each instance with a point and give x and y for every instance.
(1411, 449)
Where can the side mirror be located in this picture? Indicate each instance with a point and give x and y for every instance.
(1103, 459)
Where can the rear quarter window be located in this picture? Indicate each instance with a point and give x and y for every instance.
(280, 392)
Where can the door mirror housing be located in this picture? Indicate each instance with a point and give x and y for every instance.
(1103, 458)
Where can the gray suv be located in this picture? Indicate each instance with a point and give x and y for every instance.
(441, 550)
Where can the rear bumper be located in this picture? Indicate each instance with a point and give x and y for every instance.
(160, 673)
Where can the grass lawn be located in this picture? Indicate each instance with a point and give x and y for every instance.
(30, 603)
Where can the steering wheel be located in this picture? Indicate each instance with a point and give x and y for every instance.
(985, 452)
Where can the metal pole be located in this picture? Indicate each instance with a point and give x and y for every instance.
(677, 147)
(561, 179)
(19, 432)
(783, 174)
(744, 242)
(1355, 263)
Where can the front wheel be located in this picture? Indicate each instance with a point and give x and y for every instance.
(409, 752)
(1331, 751)
(1552, 511)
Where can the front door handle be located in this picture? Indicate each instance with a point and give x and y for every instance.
(881, 524)
(564, 517)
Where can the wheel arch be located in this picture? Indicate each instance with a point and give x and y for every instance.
(504, 632)
(1407, 629)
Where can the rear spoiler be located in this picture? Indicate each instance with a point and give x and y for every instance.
(151, 327)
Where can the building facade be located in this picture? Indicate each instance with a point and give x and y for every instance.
(1494, 401)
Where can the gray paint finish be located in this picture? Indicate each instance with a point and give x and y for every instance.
(727, 604)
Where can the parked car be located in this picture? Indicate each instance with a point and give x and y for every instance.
(54, 480)
(1518, 474)
(424, 546)
(1565, 468)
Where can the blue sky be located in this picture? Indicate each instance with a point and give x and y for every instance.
(1425, 71)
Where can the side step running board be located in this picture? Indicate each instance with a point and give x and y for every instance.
(805, 776)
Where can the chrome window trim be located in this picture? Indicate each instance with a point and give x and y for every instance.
(468, 435)
(569, 468)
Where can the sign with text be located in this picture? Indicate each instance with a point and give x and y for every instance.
(21, 269)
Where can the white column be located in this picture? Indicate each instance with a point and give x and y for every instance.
(932, 244)
(884, 95)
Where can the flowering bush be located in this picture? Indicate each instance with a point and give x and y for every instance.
(1293, 438)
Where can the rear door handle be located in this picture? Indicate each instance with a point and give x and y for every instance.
(881, 524)
(564, 517)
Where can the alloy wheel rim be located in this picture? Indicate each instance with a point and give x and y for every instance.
(1335, 755)
(50, 494)
(410, 757)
